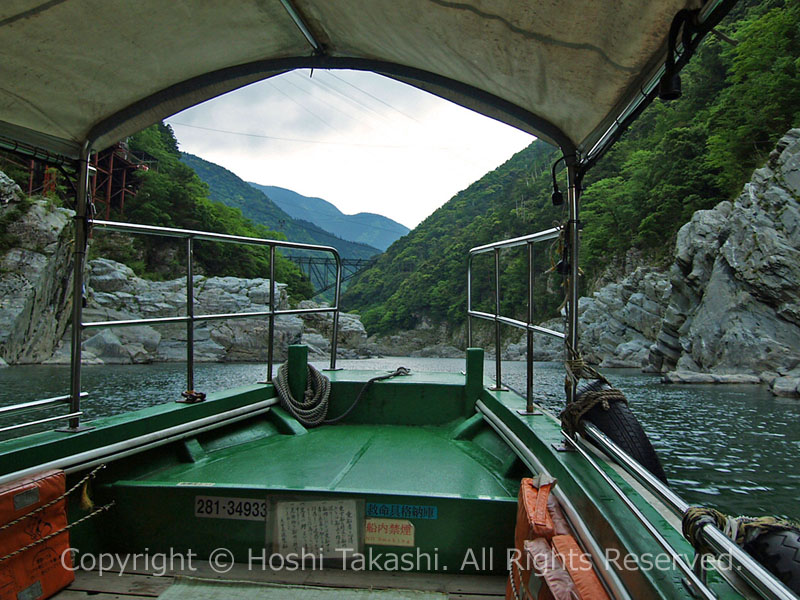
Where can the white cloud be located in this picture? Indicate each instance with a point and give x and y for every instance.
(364, 142)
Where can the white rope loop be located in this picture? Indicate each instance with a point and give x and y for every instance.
(313, 408)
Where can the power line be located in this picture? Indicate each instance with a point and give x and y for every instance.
(305, 141)
(355, 87)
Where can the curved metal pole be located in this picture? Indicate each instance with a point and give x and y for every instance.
(79, 258)
(573, 241)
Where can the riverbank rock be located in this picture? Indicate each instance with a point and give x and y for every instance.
(617, 324)
(693, 377)
(620, 321)
(114, 292)
(318, 330)
(426, 340)
(735, 302)
(545, 347)
(35, 278)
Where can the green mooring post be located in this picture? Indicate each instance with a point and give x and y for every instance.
(474, 384)
(298, 370)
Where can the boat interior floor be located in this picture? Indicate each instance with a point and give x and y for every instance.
(407, 459)
(137, 582)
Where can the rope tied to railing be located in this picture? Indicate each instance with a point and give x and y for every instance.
(742, 530)
(599, 391)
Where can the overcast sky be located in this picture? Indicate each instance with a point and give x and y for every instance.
(364, 142)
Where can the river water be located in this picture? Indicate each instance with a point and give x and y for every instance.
(733, 447)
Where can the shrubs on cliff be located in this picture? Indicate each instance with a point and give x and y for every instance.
(172, 195)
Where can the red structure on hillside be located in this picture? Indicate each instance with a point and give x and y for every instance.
(112, 176)
(114, 180)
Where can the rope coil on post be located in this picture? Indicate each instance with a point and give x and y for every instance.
(313, 409)
(598, 391)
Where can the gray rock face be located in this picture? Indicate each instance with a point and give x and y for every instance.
(9, 191)
(35, 282)
(115, 293)
(545, 347)
(618, 323)
(735, 303)
(319, 328)
(621, 320)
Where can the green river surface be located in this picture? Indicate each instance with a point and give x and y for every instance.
(733, 447)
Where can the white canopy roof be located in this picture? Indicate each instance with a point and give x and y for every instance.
(99, 70)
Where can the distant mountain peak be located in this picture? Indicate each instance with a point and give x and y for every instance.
(226, 187)
(364, 227)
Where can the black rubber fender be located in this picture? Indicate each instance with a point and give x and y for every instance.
(623, 428)
(779, 553)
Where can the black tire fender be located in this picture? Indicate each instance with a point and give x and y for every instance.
(623, 428)
(779, 553)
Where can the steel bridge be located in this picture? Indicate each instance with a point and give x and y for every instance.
(322, 271)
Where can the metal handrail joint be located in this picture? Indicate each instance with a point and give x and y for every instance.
(497, 318)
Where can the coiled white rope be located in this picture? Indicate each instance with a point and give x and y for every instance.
(313, 408)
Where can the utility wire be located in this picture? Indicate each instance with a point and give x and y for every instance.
(306, 141)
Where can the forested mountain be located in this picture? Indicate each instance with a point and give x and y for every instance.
(738, 99)
(367, 228)
(226, 187)
(172, 195)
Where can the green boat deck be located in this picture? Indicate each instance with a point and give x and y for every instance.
(434, 459)
(407, 454)
(376, 459)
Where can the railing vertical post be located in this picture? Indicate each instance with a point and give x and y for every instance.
(82, 217)
(497, 350)
(573, 240)
(529, 335)
(469, 301)
(271, 334)
(335, 332)
(189, 314)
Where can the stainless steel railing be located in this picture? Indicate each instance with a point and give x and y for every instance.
(761, 580)
(497, 318)
(190, 318)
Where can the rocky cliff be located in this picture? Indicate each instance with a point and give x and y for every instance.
(618, 323)
(727, 310)
(35, 277)
(735, 300)
(35, 303)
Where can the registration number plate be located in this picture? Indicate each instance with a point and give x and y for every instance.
(221, 507)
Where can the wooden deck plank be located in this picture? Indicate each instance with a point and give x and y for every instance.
(137, 584)
(129, 584)
(69, 594)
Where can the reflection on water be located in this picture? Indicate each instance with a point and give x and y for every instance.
(734, 447)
